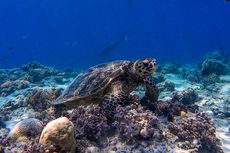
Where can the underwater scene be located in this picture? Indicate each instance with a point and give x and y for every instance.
(105, 76)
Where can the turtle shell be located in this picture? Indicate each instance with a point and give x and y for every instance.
(88, 86)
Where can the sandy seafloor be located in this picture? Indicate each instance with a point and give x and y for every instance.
(213, 96)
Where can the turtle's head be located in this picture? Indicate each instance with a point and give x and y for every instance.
(144, 67)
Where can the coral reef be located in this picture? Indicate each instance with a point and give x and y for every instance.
(40, 99)
(59, 134)
(186, 97)
(215, 63)
(9, 87)
(172, 122)
(90, 122)
(173, 109)
(219, 55)
(32, 146)
(212, 66)
(27, 128)
(198, 132)
(133, 122)
(37, 72)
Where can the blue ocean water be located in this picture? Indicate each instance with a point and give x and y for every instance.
(81, 33)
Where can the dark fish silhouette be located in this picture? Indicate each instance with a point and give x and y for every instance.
(221, 48)
(146, 33)
(10, 48)
(112, 46)
(5, 57)
(227, 0)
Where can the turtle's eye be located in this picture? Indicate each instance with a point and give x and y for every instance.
(146, 64)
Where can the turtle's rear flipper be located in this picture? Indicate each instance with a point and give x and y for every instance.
(110, 102)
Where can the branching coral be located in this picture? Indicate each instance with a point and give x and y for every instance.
(171, 110)
(9, 87)
(40, 99)
(197, 128)
(134, 122)
(31, 147)
(186, 97)
(90, 122)
(37, 72)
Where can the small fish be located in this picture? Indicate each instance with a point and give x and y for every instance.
(221, 48)
(227, 0)
(10, 48)
(5, 57)
(110, 48)
(146, 33)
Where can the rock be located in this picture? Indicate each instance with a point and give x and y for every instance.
(27, 128)
(60, 133)
(187, 97)
(213, 66)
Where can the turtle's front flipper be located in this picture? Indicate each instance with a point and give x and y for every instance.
(111, 101)
(151, 93)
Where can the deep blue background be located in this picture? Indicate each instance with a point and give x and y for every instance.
(81, 33)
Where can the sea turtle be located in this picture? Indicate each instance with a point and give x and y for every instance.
(110, 85)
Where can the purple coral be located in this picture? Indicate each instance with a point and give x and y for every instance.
(90, 122)
(32, 147)
(170, 110)
(134, 122)
(187, 97)
(40, 99)
(197, 128)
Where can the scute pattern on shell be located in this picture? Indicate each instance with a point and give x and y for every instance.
(92, 81)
